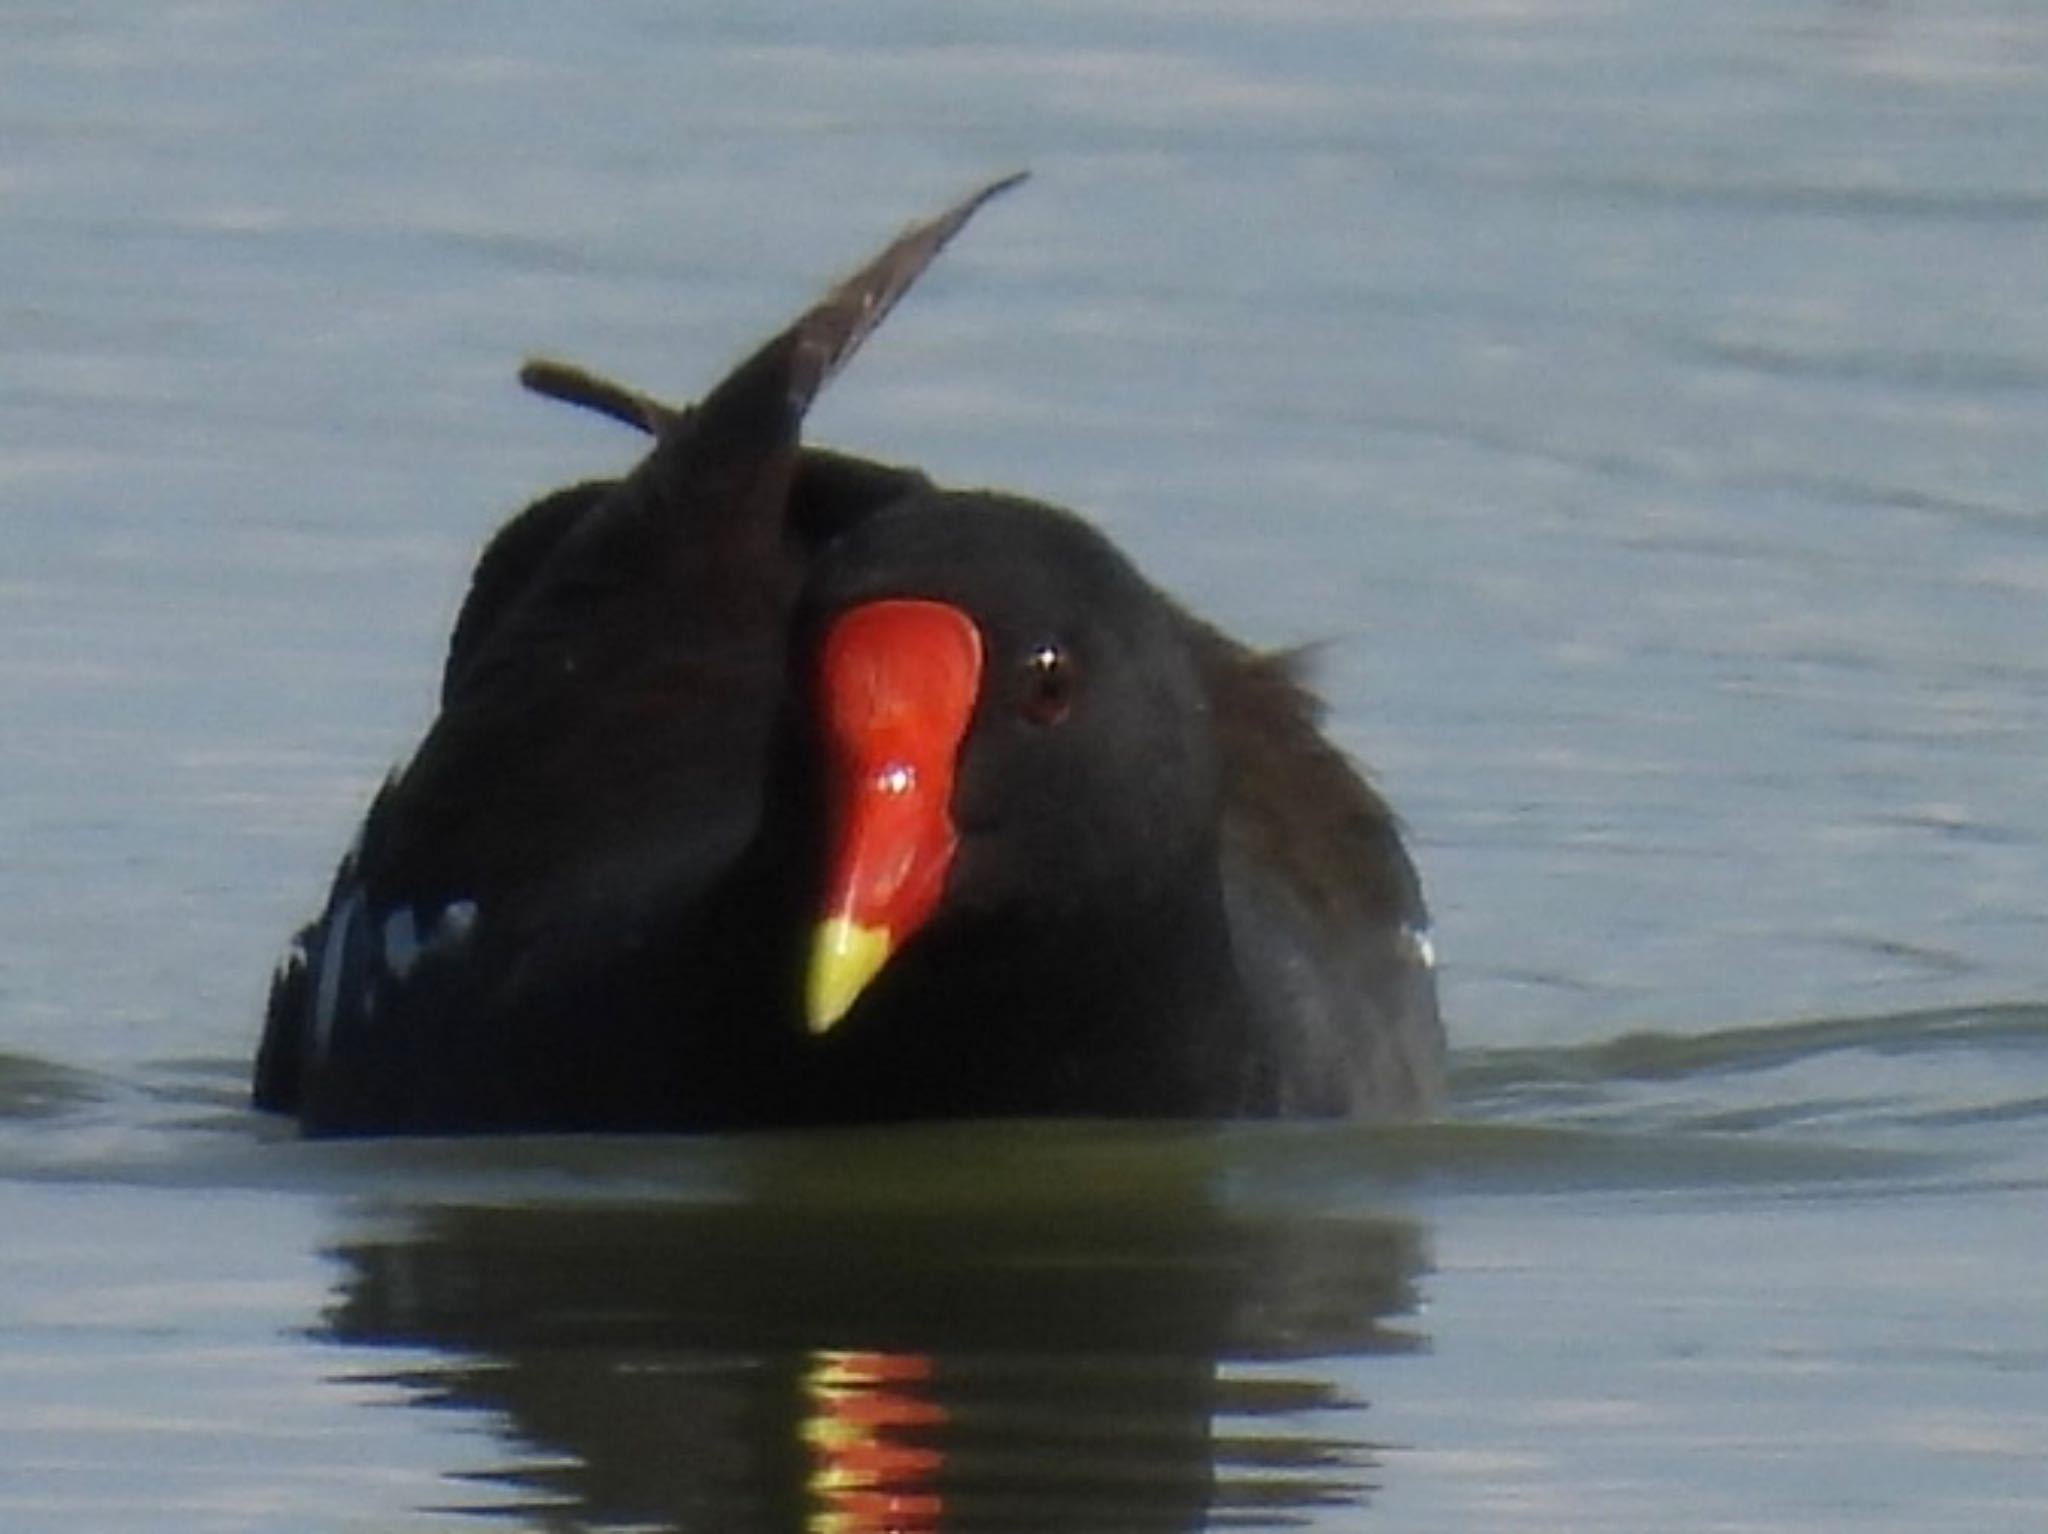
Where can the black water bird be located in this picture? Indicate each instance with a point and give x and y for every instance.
(774, 786)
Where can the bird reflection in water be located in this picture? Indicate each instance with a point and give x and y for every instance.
(904, 1364)
(868, 1478)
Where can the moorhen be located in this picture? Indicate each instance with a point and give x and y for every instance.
(773, 786)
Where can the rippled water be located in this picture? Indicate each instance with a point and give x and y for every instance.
(1761, 1278)
(1643, 401)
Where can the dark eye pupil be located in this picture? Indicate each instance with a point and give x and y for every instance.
(1048, 685)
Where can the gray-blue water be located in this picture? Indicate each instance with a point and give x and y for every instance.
(1647, 405)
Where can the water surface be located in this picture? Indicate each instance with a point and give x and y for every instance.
(1641, 403)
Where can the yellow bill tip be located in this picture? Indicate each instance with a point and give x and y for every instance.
(845, 957)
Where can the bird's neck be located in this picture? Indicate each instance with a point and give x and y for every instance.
(1137, 1013)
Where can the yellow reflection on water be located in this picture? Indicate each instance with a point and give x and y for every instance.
(862, 1414)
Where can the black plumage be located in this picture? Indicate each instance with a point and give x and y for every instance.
(591, 899)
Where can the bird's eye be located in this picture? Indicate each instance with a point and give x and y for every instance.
(1049, 681)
